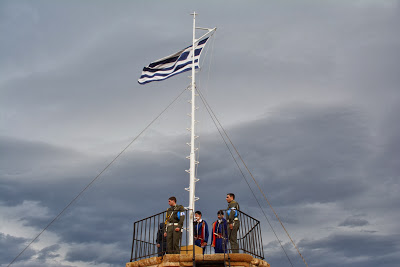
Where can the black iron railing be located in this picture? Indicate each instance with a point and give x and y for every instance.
(249, 236)
(149, 241)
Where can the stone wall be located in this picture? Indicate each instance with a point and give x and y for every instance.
(207, 260)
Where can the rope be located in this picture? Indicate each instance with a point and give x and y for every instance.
(240, 169)
(209, 110)
(276, 215)
(73, 200)
(197, 155)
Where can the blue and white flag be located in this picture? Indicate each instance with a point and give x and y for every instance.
(174, 64)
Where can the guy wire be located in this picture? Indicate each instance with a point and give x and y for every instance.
(208, 107)
(73, 200)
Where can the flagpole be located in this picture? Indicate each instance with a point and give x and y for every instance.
(192, 157)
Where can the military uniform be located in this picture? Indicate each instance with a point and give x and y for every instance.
(175, 218)
(232, 218)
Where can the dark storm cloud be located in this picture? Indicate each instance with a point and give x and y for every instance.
(33, 170)
(116, 193)
(49, 252)
(324, 72)
(95, 254)
(353, 249)
(11, 246)
(369, 248)
(304, 152)
(23, 156)
(117, 197)
(354, 221)
(304, 160)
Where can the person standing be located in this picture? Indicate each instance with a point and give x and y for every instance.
(219, 234)
(233, 221)
(174, 223)
(200, 231)
(161, 240)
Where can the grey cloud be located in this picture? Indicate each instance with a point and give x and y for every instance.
(325, 73)
(351, 249)
(11, 246)
(49, 252)
(23, 155)
(114, 198)
(356, 245)
(354, 222)
(308, 151)
(94, 254)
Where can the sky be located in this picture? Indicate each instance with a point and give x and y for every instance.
(308, 92)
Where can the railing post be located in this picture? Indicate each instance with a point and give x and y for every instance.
(147, 234)
(133, 240)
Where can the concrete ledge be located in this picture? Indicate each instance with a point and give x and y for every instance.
(186, 260)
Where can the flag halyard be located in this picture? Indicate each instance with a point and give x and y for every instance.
(169, 66)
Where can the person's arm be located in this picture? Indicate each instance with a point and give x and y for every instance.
(231, 212)
(206, 235)
(166, 223)
(212, 235)
(160, 232)
(181, 219)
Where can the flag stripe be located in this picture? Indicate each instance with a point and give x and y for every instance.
(152, 73)
(171, 65)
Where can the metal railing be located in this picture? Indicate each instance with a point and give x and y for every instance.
(149, 241)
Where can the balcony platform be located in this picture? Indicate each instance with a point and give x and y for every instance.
(206, 260)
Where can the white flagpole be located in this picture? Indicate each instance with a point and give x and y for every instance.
(192, 156)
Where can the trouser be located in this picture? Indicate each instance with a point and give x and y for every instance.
(162, 248)
(173, 240)
(220, 245)
(232, 235)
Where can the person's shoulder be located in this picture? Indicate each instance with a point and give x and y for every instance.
(180, 207)
(233, 203)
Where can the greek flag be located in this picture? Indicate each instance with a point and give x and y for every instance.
(174, 64)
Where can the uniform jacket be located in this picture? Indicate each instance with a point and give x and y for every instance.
(201, 231)
(175, 214)
(161, 239)
(220, 230)
(232, 213)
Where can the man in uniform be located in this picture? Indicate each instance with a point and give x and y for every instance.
(233, 221)
(219, 236)
(200, 231)
(174, 223)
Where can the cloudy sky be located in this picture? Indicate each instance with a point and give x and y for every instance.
(307, 90)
